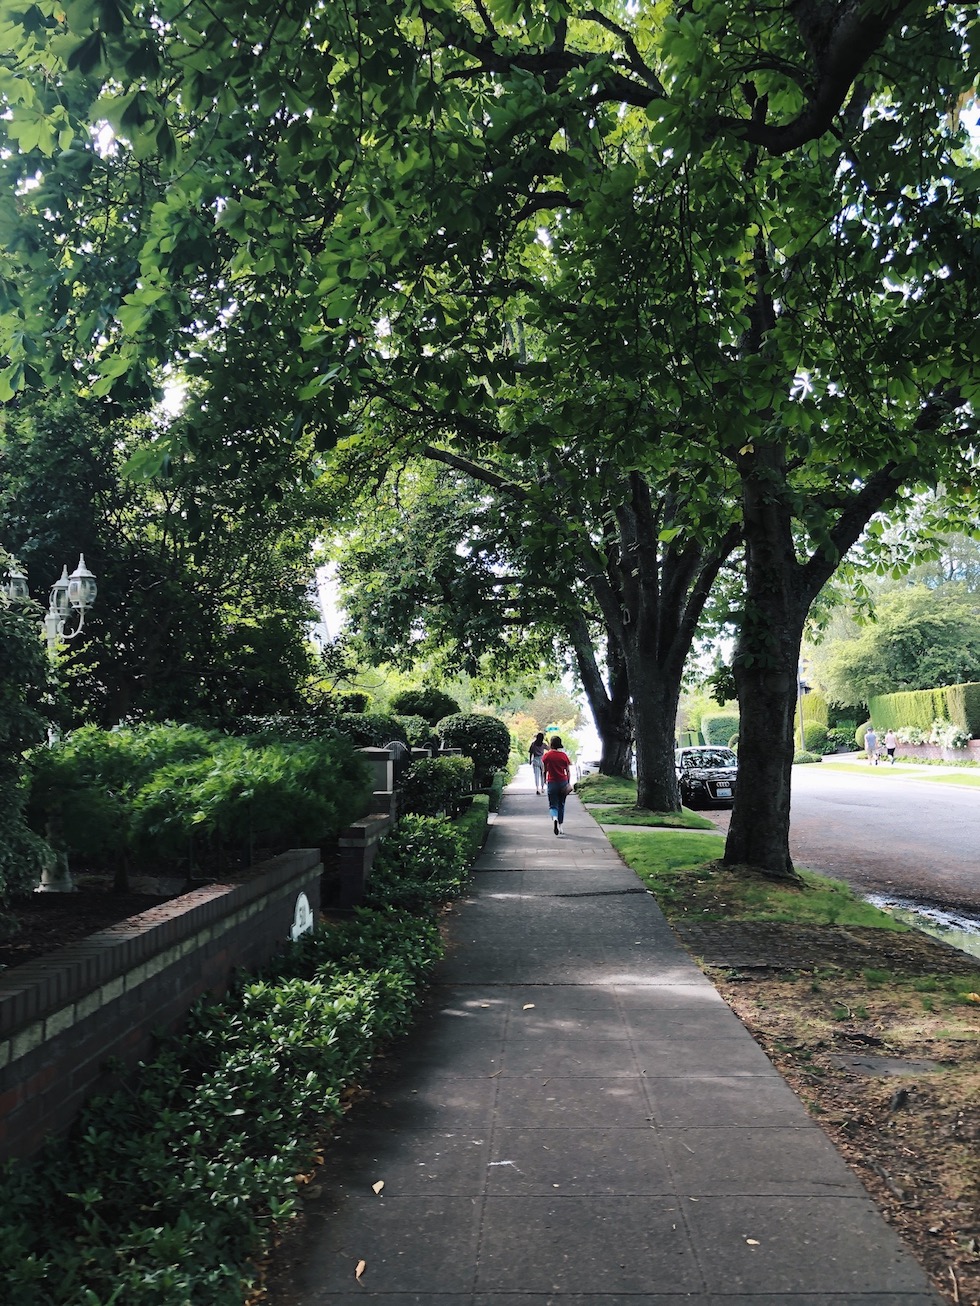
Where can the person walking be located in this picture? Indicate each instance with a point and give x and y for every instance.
(558, 778)
(871, 746)
(891, 743)
(534, 755)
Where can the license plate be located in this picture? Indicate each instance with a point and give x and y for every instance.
(724, 791)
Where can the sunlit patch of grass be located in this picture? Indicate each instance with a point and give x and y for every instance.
(957, 779)
(682, 820)
(690, 884)
(606, 789)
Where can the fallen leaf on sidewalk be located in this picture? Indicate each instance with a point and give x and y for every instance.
(361, 1267)
(528, 1006)
(753, 1242)
(378, 1186)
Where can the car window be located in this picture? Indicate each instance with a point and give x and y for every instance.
(706, 758)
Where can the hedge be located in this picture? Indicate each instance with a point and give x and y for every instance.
(815, 709)
(429, 703)
(718, 727)
(436, 784)
(483, 738)
(958, 704)
(178, 796)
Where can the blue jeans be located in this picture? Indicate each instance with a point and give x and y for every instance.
(538, 770)
(556, 800)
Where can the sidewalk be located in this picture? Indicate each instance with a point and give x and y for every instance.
(579, 1119)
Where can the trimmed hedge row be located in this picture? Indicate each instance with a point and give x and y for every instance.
(718, 727)
(180, 796)
(437, 784)
(957, 704)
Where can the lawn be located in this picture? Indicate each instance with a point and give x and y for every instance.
(606, 789)
(689, 883)
(685, 819)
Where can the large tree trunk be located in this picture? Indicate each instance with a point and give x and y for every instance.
(610, 707)
(655, 697)
(759, 831)
(779, 590)
(765, 668)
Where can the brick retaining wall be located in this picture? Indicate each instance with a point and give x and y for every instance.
(64, 1016)
(971, 753)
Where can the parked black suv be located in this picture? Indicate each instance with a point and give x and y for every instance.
(706, 776)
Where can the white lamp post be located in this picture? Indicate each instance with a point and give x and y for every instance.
(74, 593)
(70, 594)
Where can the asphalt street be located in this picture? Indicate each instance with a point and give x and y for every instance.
(886, 832)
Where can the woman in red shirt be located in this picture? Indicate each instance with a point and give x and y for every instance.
(558, 780)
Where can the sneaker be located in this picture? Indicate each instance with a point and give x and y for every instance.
(557, 828)
(561, 829)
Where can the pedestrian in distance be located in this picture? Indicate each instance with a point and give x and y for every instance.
(891, 743)
(558, 779)
(534, 755)
(871, 746)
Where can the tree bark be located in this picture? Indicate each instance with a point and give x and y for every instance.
(662, 588)
(655, 696)
(779, 590)
(610, 706)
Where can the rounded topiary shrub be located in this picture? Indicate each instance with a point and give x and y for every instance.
(861, 731)
(815, 737)
(429, 703)
(483, 738)
(801, 757)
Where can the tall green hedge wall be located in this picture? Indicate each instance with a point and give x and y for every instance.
(815, 709)
(959, 704)
(718, 727)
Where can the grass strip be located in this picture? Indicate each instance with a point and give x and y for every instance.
(606, 789)
(628, 815)
(690, 884)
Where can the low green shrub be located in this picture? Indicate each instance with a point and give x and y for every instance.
(418, 732)
(240, 798)
(370, 729)
(421, 864)
(815, 737)
(840, 740)
(718, 727)
(801, 757)
(471, 826)
(82, 789)
(436, 784)
(497, 786)
(170, 1191)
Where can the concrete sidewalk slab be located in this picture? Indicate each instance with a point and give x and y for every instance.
(578, 1118)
